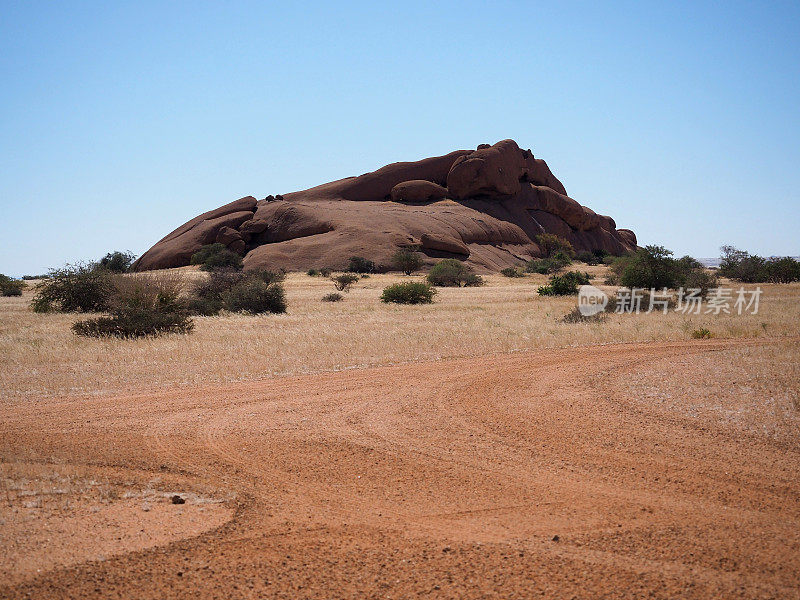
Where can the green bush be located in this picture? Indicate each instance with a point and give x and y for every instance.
(547, 266)
(783, 269)
(206, 295)
(589, 258)
(453, 273)
(701, 334)
(345, 281)
(135, 322)
(118, 262)
(359, 264)
(141, 305)
(749, 268)
(213, 257)
(407, 261)
(312, 273)
(564, 285)
(512, 272)
(254, 295)
(325, 272)
(333, 297)
(550, 243)
(82, 287)
(653, 267)
(412, 292)
(10, 287)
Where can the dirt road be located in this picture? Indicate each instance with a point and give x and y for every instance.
(522, 475)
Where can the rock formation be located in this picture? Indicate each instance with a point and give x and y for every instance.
(485, 207)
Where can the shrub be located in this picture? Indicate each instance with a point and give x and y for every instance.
(575, 316)
(564, 285)
(589, 258)
(216, 256)
(412, 292)
(74, 288)
(550, 243)
(546, 266)
(783, 269)
(345, 281)
(206, 295)
(407, 261)
(333, 297)
(118, 262)
(312, 273)
(701, 333)
(453, 273)
(135, 322)
(10, 287)
(254, 295)
(359, 264)
(141, 305)
(512, 272)
(325, 272)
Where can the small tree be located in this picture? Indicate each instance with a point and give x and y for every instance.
(345, 281)
(118, 262)
(407, 261)
(551, 243)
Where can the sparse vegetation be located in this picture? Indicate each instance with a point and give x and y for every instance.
(214, 257)
(333, 297)
(453, 273)
(407, 261)
(10, 287)
(80, 287)
(411, 292)
(345, 281)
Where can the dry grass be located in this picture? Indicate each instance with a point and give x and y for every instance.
(40, 357)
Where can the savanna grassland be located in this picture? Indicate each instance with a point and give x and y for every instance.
(40, 357)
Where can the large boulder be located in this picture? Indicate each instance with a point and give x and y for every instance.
(485, 206)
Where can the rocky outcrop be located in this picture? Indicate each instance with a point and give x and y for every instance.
(485, 206)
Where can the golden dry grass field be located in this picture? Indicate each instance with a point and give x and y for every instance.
(40, 357)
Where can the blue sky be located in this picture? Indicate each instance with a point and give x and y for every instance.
(120, 121)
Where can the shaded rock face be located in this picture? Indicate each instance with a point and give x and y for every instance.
(485, 207)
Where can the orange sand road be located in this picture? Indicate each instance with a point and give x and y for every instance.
(444, 479)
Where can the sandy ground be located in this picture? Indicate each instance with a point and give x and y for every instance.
(564, 473)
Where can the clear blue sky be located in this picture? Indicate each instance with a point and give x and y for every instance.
(120, 121)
